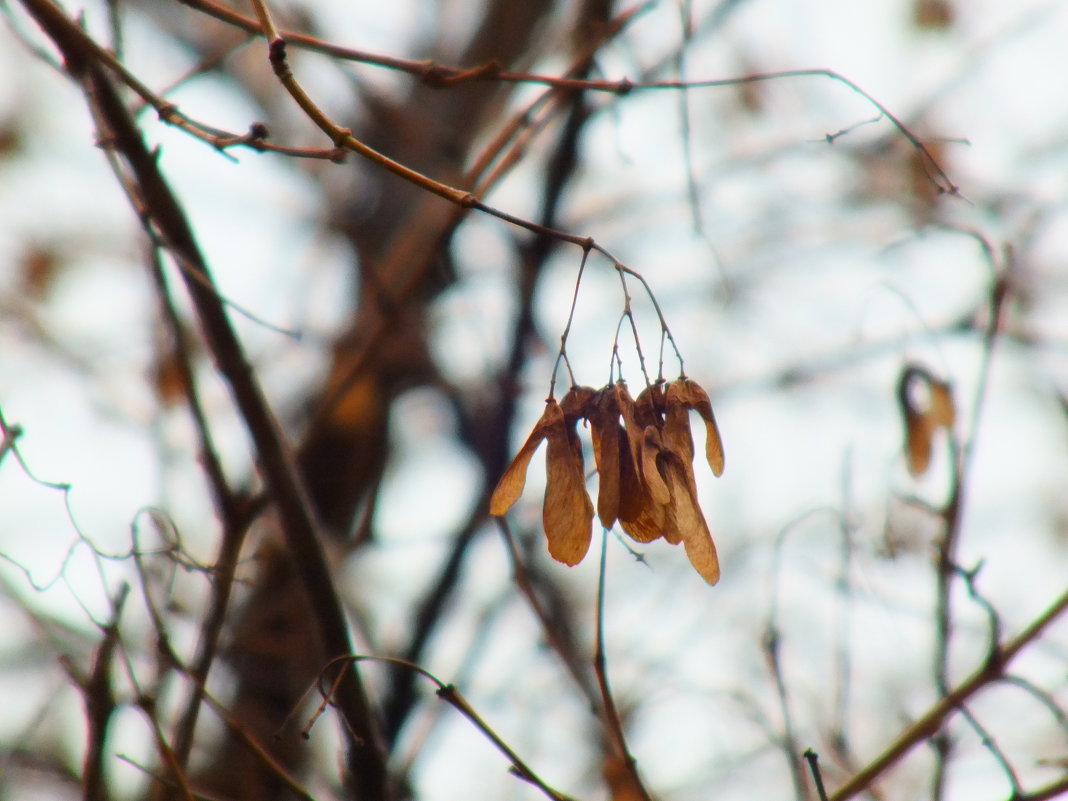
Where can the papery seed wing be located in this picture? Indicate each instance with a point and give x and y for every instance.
(691, 395)
(921, 419)
(608, 442)
(677, 434)
(511, 484)
(632, 427)
(649, 405)
(678, 458)
(917, 442)
(634, 498)
(567, 512)
(641, 518)
(942, 411)
(652, 446)
(672, 532)
(578, 402)
(689, 522)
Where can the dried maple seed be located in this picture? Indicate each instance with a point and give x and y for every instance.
(926, 405)
(609, 440)
(687, 394)
(567, 512)
(652, 447)
(644, 453)
(689, 522)
(511, 484)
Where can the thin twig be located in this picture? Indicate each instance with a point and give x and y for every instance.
(931, 721)
(286, 490)
(813, 760)
(452, 696)
(613, 723)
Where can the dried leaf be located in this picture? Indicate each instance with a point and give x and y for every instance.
(169, 379)
(510, 487)
(942, 410)
(568, 511)
(917, 442)
(932, 14)
(923, 416)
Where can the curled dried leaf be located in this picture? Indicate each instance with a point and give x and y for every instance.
(917, 442)
(942, 411)
(926, 405)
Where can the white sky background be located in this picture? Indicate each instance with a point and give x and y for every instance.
(797, 268)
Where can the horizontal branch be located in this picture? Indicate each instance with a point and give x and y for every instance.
(442, 76)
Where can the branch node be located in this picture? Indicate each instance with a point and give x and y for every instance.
(433, 75)
(341, 136)
(166, 112)
(258, 132)
(277, 50)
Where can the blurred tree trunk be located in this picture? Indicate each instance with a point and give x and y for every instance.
(399, 237)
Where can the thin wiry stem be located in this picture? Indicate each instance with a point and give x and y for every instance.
(452, 696)
(931, 721)
(567, 328)
(613, 723)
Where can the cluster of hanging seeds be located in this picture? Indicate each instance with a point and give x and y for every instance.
(643, 449)
(644, 452)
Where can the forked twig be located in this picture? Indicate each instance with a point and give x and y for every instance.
(287, 492)
(930, 722)
(453, 697)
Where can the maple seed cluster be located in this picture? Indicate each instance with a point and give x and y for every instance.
(644, 452)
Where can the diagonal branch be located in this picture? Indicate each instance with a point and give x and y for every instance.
(933, 719)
